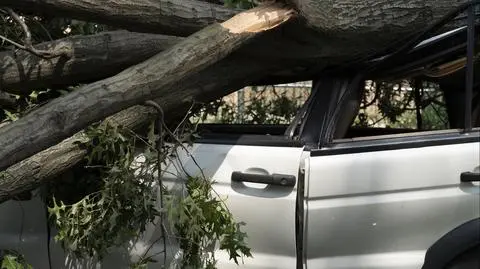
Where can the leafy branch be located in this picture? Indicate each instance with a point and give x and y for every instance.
(13, 260)
(126, 200)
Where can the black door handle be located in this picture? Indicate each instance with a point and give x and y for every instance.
(469, 177)
(273, 179)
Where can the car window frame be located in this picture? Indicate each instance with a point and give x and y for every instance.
(399, 141)
(246, 139)
(420, 138)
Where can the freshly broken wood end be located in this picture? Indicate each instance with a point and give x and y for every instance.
(259, 19)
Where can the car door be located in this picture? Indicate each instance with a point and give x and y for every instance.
(23, 229)
(382, 204)
(267, 209)
(254, 162)
(380, 199)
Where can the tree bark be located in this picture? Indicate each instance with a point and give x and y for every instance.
(373, 24)
(357, 27)
(216, 81)
(152, 79)
(93, 57)
(333, 32)
(171, 17)
(102, 55)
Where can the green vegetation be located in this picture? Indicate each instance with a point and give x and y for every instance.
(13, 260)
(384, 105)
(126, 200)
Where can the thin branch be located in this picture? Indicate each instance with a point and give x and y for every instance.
(185, 118)
(26, 31)
(20, 46)
(28, 46)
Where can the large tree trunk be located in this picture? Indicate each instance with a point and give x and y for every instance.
(373, 24)
(105, 54)
(154, 78)
(93, 57)
(338, 29)
(171, 17)
(357, 27)
(334, 31)
(221, 78)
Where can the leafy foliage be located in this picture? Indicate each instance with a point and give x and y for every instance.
(201, 221)
(13, 260)
(388, 104)
(393, 105)
(265, 105)
(127, 200)
(115, 213)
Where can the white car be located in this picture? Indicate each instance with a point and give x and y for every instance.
(320, 194)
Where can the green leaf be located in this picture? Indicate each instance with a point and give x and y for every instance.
(10, 262)
(14, 262)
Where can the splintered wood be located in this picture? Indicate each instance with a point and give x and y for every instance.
(259, 19)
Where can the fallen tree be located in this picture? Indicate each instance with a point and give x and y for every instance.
(93, 57)
(52, 162)
(332, 32)
(215, 81)
(322, 40)
(355, 27)
(153, 78)
(171, 17)
(373, 23)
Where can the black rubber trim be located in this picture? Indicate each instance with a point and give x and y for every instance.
(242, 129)
(469, 78)
(453, 244)
(395, 143)
(249, 140)
(300, 217)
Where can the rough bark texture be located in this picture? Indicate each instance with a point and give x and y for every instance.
(339, 30)
(373, 23)
(99, 56)
(31, 172)
(94, 57)
(171, 17)
(221, 78)
(333, 31)
(367, 25)
(157, 77)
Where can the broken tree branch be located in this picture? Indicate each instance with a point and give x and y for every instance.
(171, 17)
(52, 162)
(94, 57)
(151, 79)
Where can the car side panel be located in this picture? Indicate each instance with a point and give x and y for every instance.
(383, 209)
(267, 210)
(23, 228)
